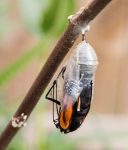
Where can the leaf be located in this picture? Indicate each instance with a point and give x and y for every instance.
(50, 15)
(55, 19)
(65, 9)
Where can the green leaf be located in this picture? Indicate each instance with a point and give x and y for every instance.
(55, 19)
(50, 15)
(66, 8)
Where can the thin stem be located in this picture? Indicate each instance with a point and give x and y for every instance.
(61, 49)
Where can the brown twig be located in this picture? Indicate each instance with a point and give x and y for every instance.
(79, 20)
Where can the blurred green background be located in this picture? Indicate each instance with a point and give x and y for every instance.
(29, 30)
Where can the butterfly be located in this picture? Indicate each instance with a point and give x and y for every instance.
(71, 92)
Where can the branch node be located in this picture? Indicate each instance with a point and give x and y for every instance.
(73, 18)
(20, 121)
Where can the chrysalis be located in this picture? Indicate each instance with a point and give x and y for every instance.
(74, 100)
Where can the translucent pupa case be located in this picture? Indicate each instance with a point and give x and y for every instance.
(80, 71)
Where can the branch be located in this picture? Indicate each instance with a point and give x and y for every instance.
(79, 20)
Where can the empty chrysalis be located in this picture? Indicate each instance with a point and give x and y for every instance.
(73, 94)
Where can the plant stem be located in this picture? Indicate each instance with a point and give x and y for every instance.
(61, 49)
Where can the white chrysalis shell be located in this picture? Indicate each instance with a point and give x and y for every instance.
(83, 59)
(80, 69)
(86, 54)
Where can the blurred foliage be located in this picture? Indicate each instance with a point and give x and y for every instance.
(57, 141)
(45, 18)
(4, 20)
(20, 63)
(31, 11)
(19, 143)
(52, 141)
(55, 17)
(48, 16)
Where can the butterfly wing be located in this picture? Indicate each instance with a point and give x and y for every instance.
(85, 103)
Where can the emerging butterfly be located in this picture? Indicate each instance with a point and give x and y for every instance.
(72, 90)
